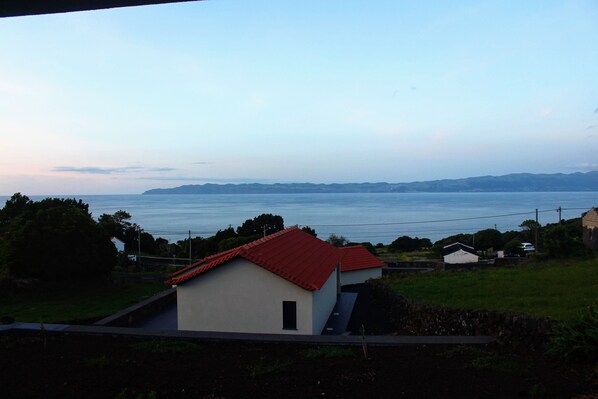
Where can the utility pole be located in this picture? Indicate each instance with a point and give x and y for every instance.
(138, 244)
(189, 246)
(264, 227)
(559, 211)
(536, 230)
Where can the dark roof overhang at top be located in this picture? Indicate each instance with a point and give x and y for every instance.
(452, 248)
(15, 8)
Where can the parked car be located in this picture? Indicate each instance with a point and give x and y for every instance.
(528, 247)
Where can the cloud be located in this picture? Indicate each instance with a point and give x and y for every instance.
(95, 170)
(202, 163)
(162, 169)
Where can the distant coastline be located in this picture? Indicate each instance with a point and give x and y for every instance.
(517, 182)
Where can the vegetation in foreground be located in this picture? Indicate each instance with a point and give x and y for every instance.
(555, 289)
(53, 303)
(577, 338)
(67, 366)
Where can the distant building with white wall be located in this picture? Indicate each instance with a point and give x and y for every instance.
(358, 265)
(459, 253)
(120, 246)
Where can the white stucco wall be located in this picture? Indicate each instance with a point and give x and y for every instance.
(461, 256)
(240, 296)
(360, 276)
(324, 300)
(120, 246)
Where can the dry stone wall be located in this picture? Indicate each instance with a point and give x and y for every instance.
(411, 318)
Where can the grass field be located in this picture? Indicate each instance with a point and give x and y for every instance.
(75, 301)
(556, 289)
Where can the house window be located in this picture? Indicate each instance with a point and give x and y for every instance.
(289, 315)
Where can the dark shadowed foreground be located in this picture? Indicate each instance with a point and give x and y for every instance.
(68, 366)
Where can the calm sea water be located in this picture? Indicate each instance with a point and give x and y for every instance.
(358, 217)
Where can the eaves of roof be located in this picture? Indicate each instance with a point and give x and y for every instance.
(292, 254)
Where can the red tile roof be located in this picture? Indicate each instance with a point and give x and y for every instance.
(357, 258)
(292, 254)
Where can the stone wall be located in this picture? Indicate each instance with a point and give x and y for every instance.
(416, 319)
(433, 264)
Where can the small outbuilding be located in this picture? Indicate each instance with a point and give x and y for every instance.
(589, 223)
(458, 253)
(358, 265)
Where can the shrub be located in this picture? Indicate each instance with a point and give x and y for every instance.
(563, 241)
(328, 352)
(577, 338)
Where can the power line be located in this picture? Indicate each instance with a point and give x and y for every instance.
(421, 222)
(388, 233)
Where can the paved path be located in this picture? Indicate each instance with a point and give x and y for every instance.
(164, 319)
(339, 317)
(382, 340)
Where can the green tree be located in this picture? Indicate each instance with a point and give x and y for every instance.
(148, 243)
(17, 205)
(529, 225)
(529, 228)
(409, 244)
(56, 239)
(116, 224)
(337, 240)
(220, 235)
(119, 225)
(309, 230)
(563, 240)
(513, 247)
(487, 239)
(233, 242)
(264, 224)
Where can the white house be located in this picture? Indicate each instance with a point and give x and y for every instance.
(358, 265)
(120, 246)
(459, 253)
(285, 283)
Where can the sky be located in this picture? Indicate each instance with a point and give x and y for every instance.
(231, 91)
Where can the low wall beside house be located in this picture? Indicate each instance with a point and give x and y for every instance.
(434, 264)
(139, 311)
(411, 318)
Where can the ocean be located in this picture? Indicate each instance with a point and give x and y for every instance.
(360, 217)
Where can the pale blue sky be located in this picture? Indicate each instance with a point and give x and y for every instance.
(124, 100)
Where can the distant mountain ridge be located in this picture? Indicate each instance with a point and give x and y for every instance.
(517, 182)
